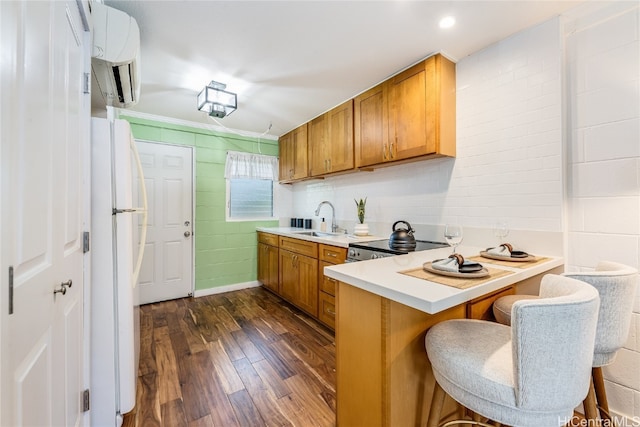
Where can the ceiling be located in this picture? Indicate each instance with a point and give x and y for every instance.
(290, 61)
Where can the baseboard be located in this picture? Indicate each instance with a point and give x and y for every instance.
(226, 288)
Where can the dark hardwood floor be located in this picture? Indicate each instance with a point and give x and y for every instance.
(243, 358)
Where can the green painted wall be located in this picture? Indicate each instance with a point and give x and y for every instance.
(225, 252)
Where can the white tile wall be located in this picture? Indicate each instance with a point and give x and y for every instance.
(603, 104)
(623, 397)
(617, 140)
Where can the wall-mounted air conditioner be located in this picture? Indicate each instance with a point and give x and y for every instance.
(115, 61)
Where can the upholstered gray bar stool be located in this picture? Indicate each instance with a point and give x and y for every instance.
(616, 284)
(531, 374)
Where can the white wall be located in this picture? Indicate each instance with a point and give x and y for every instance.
(603, 162)
(523, 104)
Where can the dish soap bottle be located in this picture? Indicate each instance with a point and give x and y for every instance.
(323, 225)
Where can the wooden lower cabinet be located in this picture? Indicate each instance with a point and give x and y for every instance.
(482, 308)
(327, 309)
(299, 280)
(268, 266)
(268, 260)
(329, 255)
(384, 377)
(294, 269)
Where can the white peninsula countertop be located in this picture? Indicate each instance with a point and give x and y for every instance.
(382, 277)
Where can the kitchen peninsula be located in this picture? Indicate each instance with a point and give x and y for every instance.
(383, 375)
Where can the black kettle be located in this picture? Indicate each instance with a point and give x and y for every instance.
(402, 238)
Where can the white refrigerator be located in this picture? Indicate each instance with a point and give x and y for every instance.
(115, 317)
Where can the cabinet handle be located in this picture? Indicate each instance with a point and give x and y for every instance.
(331, 312)
(330, 279)
(391, 149)
(332, 254)
(384, 152)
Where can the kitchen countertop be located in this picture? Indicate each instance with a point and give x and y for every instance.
(334, 239)
(381, 277)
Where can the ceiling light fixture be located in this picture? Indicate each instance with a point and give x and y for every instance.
(447, 22)
(216, 101)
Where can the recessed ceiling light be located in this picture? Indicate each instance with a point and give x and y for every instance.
(447, 22)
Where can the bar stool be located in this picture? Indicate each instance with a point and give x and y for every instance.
(529, 375)
(616, 284)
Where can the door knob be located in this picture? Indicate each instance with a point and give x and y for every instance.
(63, 287)
(187, 233)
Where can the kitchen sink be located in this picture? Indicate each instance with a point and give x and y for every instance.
(317, 234)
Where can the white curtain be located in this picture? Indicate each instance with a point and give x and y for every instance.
(249, 165)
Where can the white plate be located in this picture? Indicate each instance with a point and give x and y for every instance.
(475, 275)
(486, 254)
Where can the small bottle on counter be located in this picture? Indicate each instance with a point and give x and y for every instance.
(323, 225)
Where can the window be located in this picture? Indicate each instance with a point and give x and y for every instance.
(250, 180)
(250, 198)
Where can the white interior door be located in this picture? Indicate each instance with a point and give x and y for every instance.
(167, 267)
(44, 141)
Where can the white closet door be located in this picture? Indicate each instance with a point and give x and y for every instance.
(44, 139)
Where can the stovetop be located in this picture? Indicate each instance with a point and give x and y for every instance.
(365, 250)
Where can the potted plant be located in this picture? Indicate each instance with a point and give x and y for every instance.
(361, 229)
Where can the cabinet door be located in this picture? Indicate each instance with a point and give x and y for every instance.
(326, 284)
(263, 263)
(268, 266)
(370, 127)
(307, 297)
(410, 129)
(317, 140)
(288, 275)
(327, 309)
(286, 158)
(300, 155)
(273, 274)
(340, 139)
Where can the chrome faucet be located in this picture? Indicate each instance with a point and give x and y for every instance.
(334, 226)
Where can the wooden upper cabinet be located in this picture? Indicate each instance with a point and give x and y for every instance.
(409, 116)
(293, 155)
(285, 161)
(340, 142)
(300, 165)
(331, 141)
(318, 150)
(371, 126)
(409, 123)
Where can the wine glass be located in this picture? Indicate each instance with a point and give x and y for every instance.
(453, 235)
(501, 230)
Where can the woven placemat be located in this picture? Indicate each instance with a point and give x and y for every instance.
(514, 264)
(460, 283)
